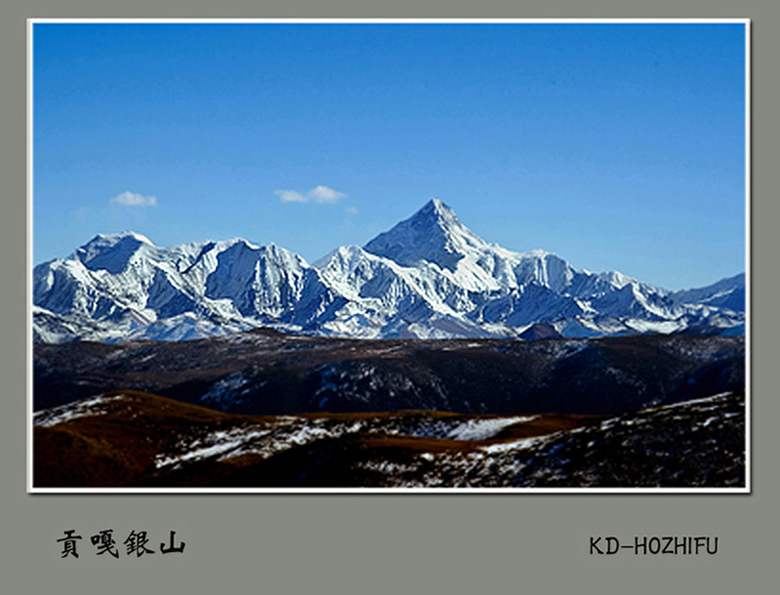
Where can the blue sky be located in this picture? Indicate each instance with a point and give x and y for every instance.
(615, 146)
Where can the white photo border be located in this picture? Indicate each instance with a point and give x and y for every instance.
(746, 489)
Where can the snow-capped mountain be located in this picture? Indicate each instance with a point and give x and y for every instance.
(429, 277)
(726, 293)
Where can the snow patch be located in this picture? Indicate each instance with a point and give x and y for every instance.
(64, 413)
(482, 429)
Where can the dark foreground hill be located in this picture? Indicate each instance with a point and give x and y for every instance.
(128, 439)
(264, 372)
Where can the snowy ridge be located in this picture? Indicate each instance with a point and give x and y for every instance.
(427, 277)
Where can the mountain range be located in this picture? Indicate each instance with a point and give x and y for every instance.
(427, 277)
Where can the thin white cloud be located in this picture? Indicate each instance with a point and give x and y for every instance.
(325, 194)
(290, 196)
(131, 199)
(351, 210)
(320, 194)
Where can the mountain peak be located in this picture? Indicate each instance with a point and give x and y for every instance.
(111, 239)
(436, 205)
(111, 252)
(433, 234)
(437, 211)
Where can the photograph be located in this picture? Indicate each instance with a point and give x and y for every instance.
(388, 255)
